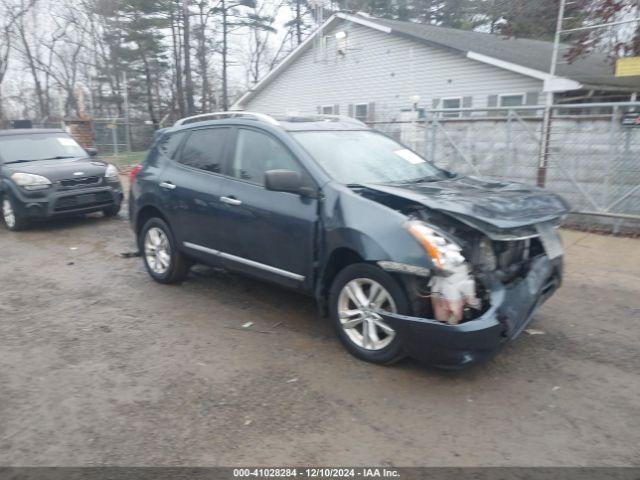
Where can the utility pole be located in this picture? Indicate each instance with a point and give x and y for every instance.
(191, 108)
(548, 104)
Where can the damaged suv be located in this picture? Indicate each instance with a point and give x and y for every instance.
(406, 258)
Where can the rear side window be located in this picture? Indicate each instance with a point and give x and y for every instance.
(257, 153)
(205, 149)
(171, 143)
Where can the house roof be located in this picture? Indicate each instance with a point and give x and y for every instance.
(524, 56)
(593, 70)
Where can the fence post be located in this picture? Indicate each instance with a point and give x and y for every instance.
(610, 158)
(509, 156)
(434, 133)
(114, 138)
(545, 141)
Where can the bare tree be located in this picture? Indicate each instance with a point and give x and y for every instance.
(260, 23)
(10, 14)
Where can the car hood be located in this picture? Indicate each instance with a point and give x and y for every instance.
(60, 169)
(483, 202)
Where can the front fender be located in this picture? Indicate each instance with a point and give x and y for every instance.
(374, 231)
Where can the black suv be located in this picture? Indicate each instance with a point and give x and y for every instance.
(45, 173)
(407, 258)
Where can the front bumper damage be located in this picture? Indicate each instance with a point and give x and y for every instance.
(511, 309)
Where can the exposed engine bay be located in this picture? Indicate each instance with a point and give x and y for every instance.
(459, 293)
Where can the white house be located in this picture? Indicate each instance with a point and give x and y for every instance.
(373, 69)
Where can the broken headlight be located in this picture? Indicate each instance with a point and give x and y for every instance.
(444, 253)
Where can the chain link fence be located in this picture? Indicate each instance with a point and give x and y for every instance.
(590, 156)
(121, 141)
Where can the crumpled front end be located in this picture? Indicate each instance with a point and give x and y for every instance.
(510, 308)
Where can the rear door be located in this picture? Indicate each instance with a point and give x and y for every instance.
(266, 233)
(193, 183)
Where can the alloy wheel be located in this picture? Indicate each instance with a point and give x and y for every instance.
(8, 213)
(359, 302)
(157, 250)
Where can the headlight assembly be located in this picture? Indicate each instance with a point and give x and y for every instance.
(444, 253)
(29, 181)
(111, 172)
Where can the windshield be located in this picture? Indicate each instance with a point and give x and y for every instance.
(39, 146)
(356, 157)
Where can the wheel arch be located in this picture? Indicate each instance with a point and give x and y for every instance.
(145, 213)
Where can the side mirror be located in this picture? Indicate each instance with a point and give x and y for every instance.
(283, 181)
(92, 152)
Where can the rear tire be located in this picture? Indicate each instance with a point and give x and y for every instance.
(164, 262)
(12, 220)
(367, 336)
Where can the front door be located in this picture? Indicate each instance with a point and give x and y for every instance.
(266, 233)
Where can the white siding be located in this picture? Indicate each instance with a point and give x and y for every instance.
(386, 69)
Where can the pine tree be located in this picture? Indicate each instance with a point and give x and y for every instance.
(135, 34)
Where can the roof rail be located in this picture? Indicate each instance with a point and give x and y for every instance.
(231, 114)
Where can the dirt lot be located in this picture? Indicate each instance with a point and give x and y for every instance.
(99, 365)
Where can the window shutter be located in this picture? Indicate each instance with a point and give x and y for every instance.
(319, 110)
(435, 103)
(467, 102)
(492, 101)
(350, 111)
(531, 98)
(336, 109)
(371, 112)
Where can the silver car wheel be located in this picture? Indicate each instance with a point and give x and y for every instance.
(8, 214)
(157, 250)
(358, 304)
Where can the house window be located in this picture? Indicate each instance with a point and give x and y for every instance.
(327, 109)
(454, 103)
(511, 100)
(362, 112)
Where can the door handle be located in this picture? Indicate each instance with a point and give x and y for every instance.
(167, 185)
(230, 201)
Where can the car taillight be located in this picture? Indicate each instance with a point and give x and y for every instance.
(134, 171)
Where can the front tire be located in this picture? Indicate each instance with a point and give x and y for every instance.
(12, 220)
(112, 211)
(164, 262)
(356, 294)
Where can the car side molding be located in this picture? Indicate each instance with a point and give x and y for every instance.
(246, 261)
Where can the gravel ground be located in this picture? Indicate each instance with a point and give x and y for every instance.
(100, 365)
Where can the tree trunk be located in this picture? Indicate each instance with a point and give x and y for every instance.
(42, 109)
(202, 59)
(149, 86)
(298, 22)
(225, 93)
(187, 59)
(177, 60)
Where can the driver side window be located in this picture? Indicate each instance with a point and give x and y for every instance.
(257, 153)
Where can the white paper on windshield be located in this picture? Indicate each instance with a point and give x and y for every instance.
(67, 142)
(409, 156)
